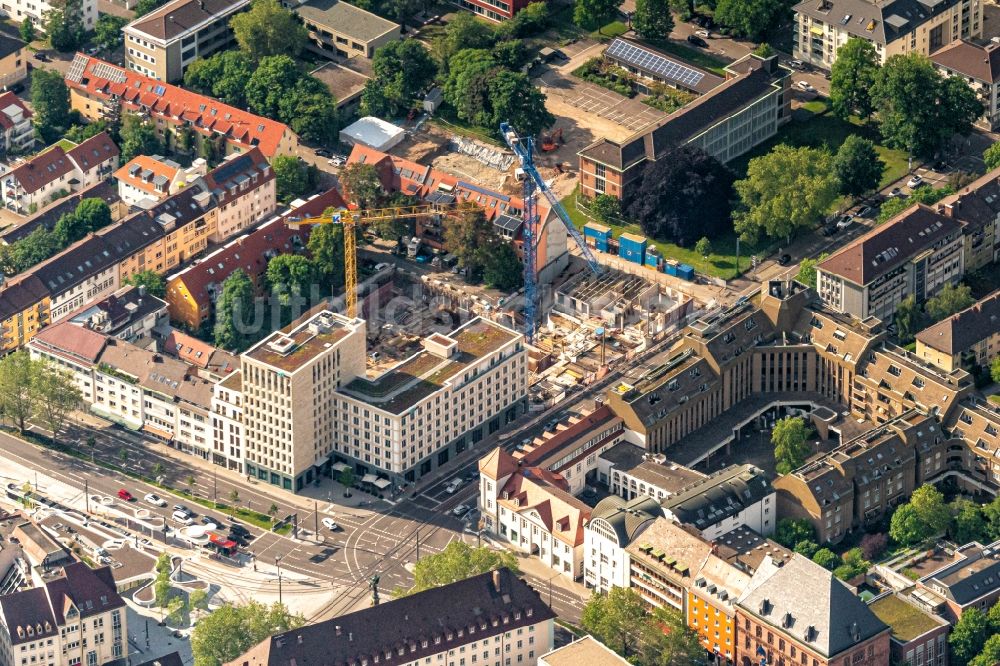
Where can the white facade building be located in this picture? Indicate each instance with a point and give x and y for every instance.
(737, 496)
(37, 10)
(614, 524)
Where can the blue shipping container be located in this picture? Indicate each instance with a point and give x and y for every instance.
(597, 231)
(670, 268)
(653, 259)
(686, 272)
(632, 248)
(601, 244)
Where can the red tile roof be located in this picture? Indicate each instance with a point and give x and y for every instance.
(71, 341)
(188, 349)
(42, 169)
(6, 99)
(95, 150)
(146, 163)
(206, 115)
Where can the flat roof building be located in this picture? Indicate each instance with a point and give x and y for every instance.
(338, 29)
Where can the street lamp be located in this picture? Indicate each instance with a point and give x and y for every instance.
(277, 563)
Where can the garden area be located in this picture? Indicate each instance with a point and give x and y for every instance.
(618, 79)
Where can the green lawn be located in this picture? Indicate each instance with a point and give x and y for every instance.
(65, 144)
(693, 56)
(721, 263)
(610, 31)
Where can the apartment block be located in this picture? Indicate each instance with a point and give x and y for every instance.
(896, 27)
(13, 62)
(979, 66)
(975, 424)
(964, 340)
(631, 472)
(56, 172)
(614, 524)
(48, 217)
(130, 314)
(916, 253)
(18, 10)
(977, 209)
(727, 121)
(737, 496)
(532, 510)
(340, 30)
(155, 177)
(800, 613)
(663, 562)
(73, 618)
(970, 580)
(100, 90)
(290, 407)
(17, 133)
(229, 436)
(25, 304)
(162, 43)
(493, 617)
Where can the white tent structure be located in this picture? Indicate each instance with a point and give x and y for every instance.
(373, 132)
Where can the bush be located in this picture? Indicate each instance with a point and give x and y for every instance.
(873, 545)
(666, 99)
(826, 558)
(606, 75)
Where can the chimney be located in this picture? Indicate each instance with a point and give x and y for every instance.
(496, 580)
(337, 629)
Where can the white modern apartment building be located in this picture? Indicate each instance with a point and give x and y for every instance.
(37, 10)
(17, 133)
(614, 524)
(737, 496)
(227, 423)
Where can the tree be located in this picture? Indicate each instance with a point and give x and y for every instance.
(873, 545)
(807, 270)
(108, 31)
(143, 7)
(791, 531)
(176, 608)
(400, 70)
(909, 319)
(91, 443)
(228, 632)
(790, 448)
(703, 247)
(905, 526)
(234, 500)
(503, 269)
(617, 619)
(929, 504)
(361, 184)
(467, 87)
(291, 176)
(593, 14)
(951, 299)
(18, 399)
(64, 26)
(224, 75)
(326, 247)
(826, 558)
(652, 19)
(990, 654)
(968, 523)
(56, 395)
(311, 111)
(752, 19)
(991, 156)
(968, 636)
(858, 166)
(606, 208)
(198, 599)
(347, 480)
(515, 99)
(852, 77)
(138, 137)
(153, 282)
(891, 208)
(234, 312)
(50, 99)
(268, 29)
(289, 276)
(458, 561)
(995, 369)
(787, 189)
(123, 455)
(920, 109)
(464, 31)
(161, 590)
(469, 236)
(806, 548)
(27, 30)
(511, 54)
(667, 641)
(270, 82)
(764, 50)
(683, 196)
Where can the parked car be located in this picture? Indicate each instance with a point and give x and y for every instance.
(784, 259)
(16, 88)
(182, 518)
(864, 211)
(796, 64)
(453, 486)
(155, 499)
(335, 162)
(805, 86)
(322, 152)
(208, 520)
(703, 33)
(915, 182)
(236, 528)
(941, 166)
(125, 495)
(895, 192)
(697, 41)
(460, 510)
(41, 56)
(329, 524)
(845, 221)
(183, 509)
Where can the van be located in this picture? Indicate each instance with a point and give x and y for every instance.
(453, 486)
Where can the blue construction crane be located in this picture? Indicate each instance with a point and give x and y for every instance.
(524, 149)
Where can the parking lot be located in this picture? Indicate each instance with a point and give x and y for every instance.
(629, 114)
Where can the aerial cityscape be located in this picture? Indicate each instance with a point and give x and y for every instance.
(499, 333)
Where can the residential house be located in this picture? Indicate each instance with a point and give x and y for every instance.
(587, 650)
(55, 172)
(663, 561)
(99, 90)
(227, 423)
(24, 309)
(966, 339)
(130, 314)
(162, 43)
(243, 188)
(742, 112)
(17, 133)
(48, 217)
(977, 209)
(191, 292)
(916, 636)
(494, 616)
(155, 177)
(74, 618)
(737, 496)
(18, 10)
(970, 580)
(896, 27)
(205, 360)
(914, 254)
(614, 524)
(800, 612)
(979, 66)
(13, 61)
(531, 509)
(338, 29)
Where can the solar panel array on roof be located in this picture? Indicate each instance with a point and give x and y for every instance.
(653, 62)
(508, 223)
(482, 190)
(103, 70)
(440, 198)
(76, 68)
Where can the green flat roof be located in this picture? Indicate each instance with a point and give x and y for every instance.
(906, 620)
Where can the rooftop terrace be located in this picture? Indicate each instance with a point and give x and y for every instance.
(289, 351)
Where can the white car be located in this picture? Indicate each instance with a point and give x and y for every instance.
(155, 499)
(916, 181)
(329, 524)
(845, 221)
(796, 64)
(703, 33)
(460, 510)
(805, 86)
(182, 517)
(453, 486)
(335, 161)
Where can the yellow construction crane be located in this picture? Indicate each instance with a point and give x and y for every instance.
(352, 219)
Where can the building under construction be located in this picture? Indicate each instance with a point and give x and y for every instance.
(617, 299)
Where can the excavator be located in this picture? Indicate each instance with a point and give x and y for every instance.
(551, 140)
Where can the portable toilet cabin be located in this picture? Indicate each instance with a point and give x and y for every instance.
(653, 259)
